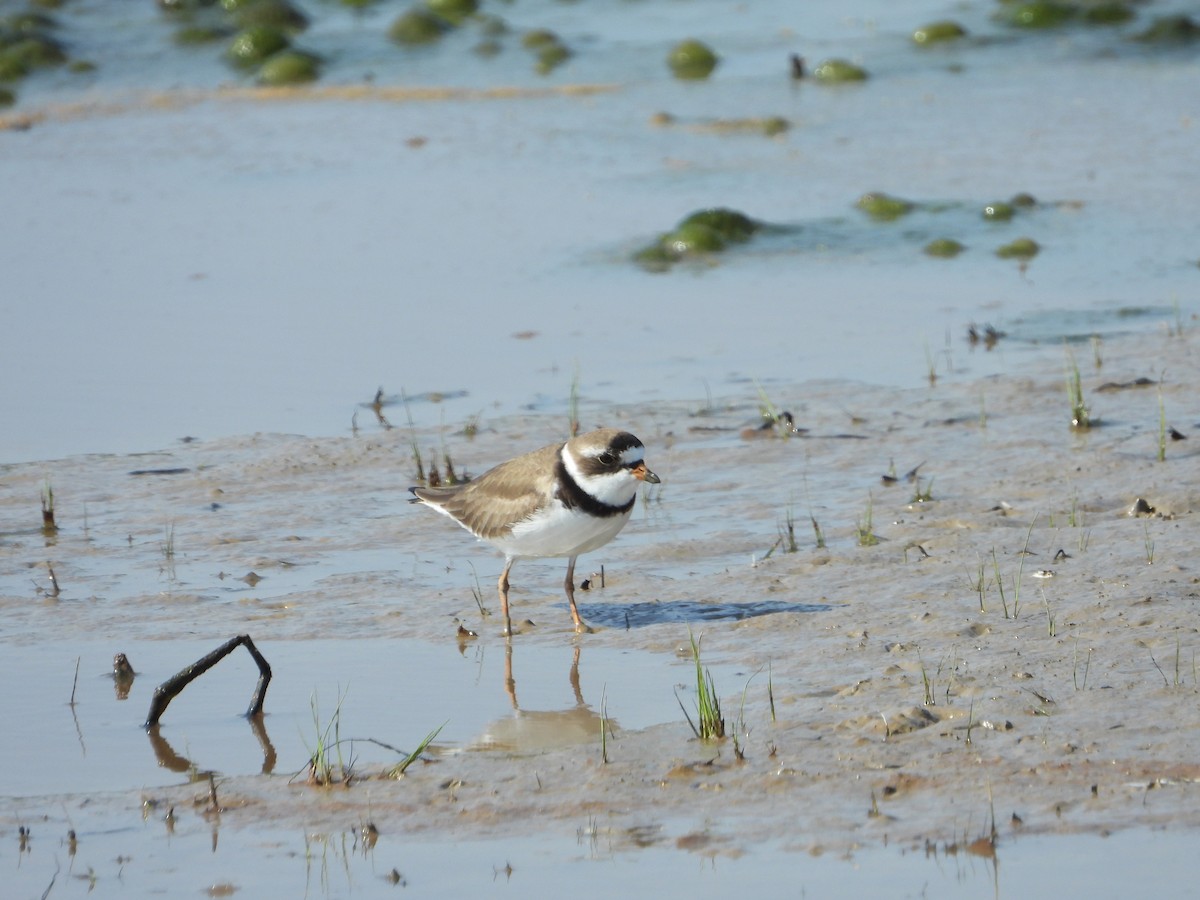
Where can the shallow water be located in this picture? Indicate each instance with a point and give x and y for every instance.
(199, 263)
(149, 860)
(524, 700)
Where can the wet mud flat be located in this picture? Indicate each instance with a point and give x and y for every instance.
(999, 649)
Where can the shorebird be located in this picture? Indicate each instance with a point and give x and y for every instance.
(563, 500)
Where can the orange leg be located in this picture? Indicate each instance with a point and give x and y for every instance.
(569, 586)
(508, 564)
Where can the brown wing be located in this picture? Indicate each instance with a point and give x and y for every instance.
(491, 504)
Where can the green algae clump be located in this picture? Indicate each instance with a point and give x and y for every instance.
(883, 207)
(839, 71)
(728, 224)
(1108, 13)
(1021, 248)
(417, 26)
(21, 53)
(700, 234)
(999, 212)
(1039, 14)
(691, 60)
(251, 46)
(774, 125)
(290, 67)
(551, 56)
(938, 32)
(539, 37)
(944, 248)
(693, 237)
(548, 49)
(453, 11)
(1170, 30)
(273, 13)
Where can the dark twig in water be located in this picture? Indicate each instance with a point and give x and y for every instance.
(169, 689)
(53, 878)
(75, 683)
(377, 408)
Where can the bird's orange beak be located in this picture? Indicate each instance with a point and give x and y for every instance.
(641, 473)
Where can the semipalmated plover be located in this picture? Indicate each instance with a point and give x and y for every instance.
(562, 500)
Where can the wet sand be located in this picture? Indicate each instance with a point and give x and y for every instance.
(908, 705)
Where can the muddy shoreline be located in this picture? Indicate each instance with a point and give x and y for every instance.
(909, 706)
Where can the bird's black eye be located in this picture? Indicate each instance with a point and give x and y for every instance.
(606, 459)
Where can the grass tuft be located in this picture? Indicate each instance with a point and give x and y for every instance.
(711, 725)
(865, 530)
(326, 766)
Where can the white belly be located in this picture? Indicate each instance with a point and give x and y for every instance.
(558, 531)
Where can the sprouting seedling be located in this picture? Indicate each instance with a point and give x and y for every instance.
(1148, 543)
(1162, 426)
(817, 532)
(816, 526)
(1081, 417)
(412, 437)
(865, 530)
(930, 365)
(781, 422)
(999, 582)
(573, 405)
(788, 532)
(923, 495)
(1049, 615)
(1021, 567)
(926, 682)
(741, 728)
(168, 550)
(980, 585)
(1075, 668)
(48, 525)
(770, 692)
(604, 725)
(477, 593)
(398, 770)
